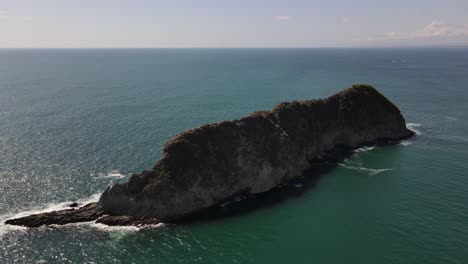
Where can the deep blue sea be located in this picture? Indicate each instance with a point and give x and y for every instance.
(73, 122)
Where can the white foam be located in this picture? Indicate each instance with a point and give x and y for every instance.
(363, 149)
(298, 185)
(452, 118)
(405, 143)
(369, 171)
(103, 227)
(116, 232)
(111, 174)
(57, 206)
(4, 229)
(91, 199)
(413, 126)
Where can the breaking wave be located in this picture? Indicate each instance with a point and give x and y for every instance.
(368, 171)
(363, 149)
(4, 229)
(118, 230)
(406, 143)
(122, 230)
(111, 174)
(413, 127)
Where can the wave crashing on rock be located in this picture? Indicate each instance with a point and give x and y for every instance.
(211, 164)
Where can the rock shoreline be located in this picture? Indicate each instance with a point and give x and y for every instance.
(209, 165)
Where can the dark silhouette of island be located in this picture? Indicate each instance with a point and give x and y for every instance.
(209, 166)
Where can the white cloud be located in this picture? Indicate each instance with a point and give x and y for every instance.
(439, 29)
(282, 18)
(435, 29)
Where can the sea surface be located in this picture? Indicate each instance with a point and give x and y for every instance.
(73, 122)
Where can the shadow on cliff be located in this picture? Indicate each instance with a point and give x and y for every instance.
(245, 204)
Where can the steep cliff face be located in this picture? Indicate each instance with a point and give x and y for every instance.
(210, 164)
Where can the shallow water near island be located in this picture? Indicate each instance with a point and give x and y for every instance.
(77, 121)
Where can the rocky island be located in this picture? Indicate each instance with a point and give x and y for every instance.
(209, 165)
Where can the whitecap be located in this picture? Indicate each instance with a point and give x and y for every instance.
(107, 228)
(405, 143)
(298, 185)
(57, 206)
(91, 199)
(369, 171)
(111, 174)
(363, 149)
(451, 118)
(115, 232)
(4, 229)
(413, 126)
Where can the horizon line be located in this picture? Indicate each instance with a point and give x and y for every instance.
(253, 47)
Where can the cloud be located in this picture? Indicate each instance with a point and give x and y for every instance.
(282, 18)
(439, 29)
(435, 29)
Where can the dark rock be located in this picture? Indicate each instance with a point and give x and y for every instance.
(211, 164)
(89, 212)
(127, 220)
(73, 205)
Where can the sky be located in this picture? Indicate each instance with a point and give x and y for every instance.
(231, 23)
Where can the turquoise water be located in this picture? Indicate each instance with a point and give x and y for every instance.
(75, 121)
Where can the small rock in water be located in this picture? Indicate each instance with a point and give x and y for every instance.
(73, 205)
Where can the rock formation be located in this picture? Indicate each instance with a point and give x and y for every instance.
(211, 164)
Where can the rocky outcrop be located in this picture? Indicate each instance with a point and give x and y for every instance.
(211, 164)
(89, 212)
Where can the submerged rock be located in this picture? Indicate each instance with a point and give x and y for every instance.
(211, 164)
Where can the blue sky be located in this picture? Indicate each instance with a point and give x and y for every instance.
(231, 23)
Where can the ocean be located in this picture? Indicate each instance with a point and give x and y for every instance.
(76, 121)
